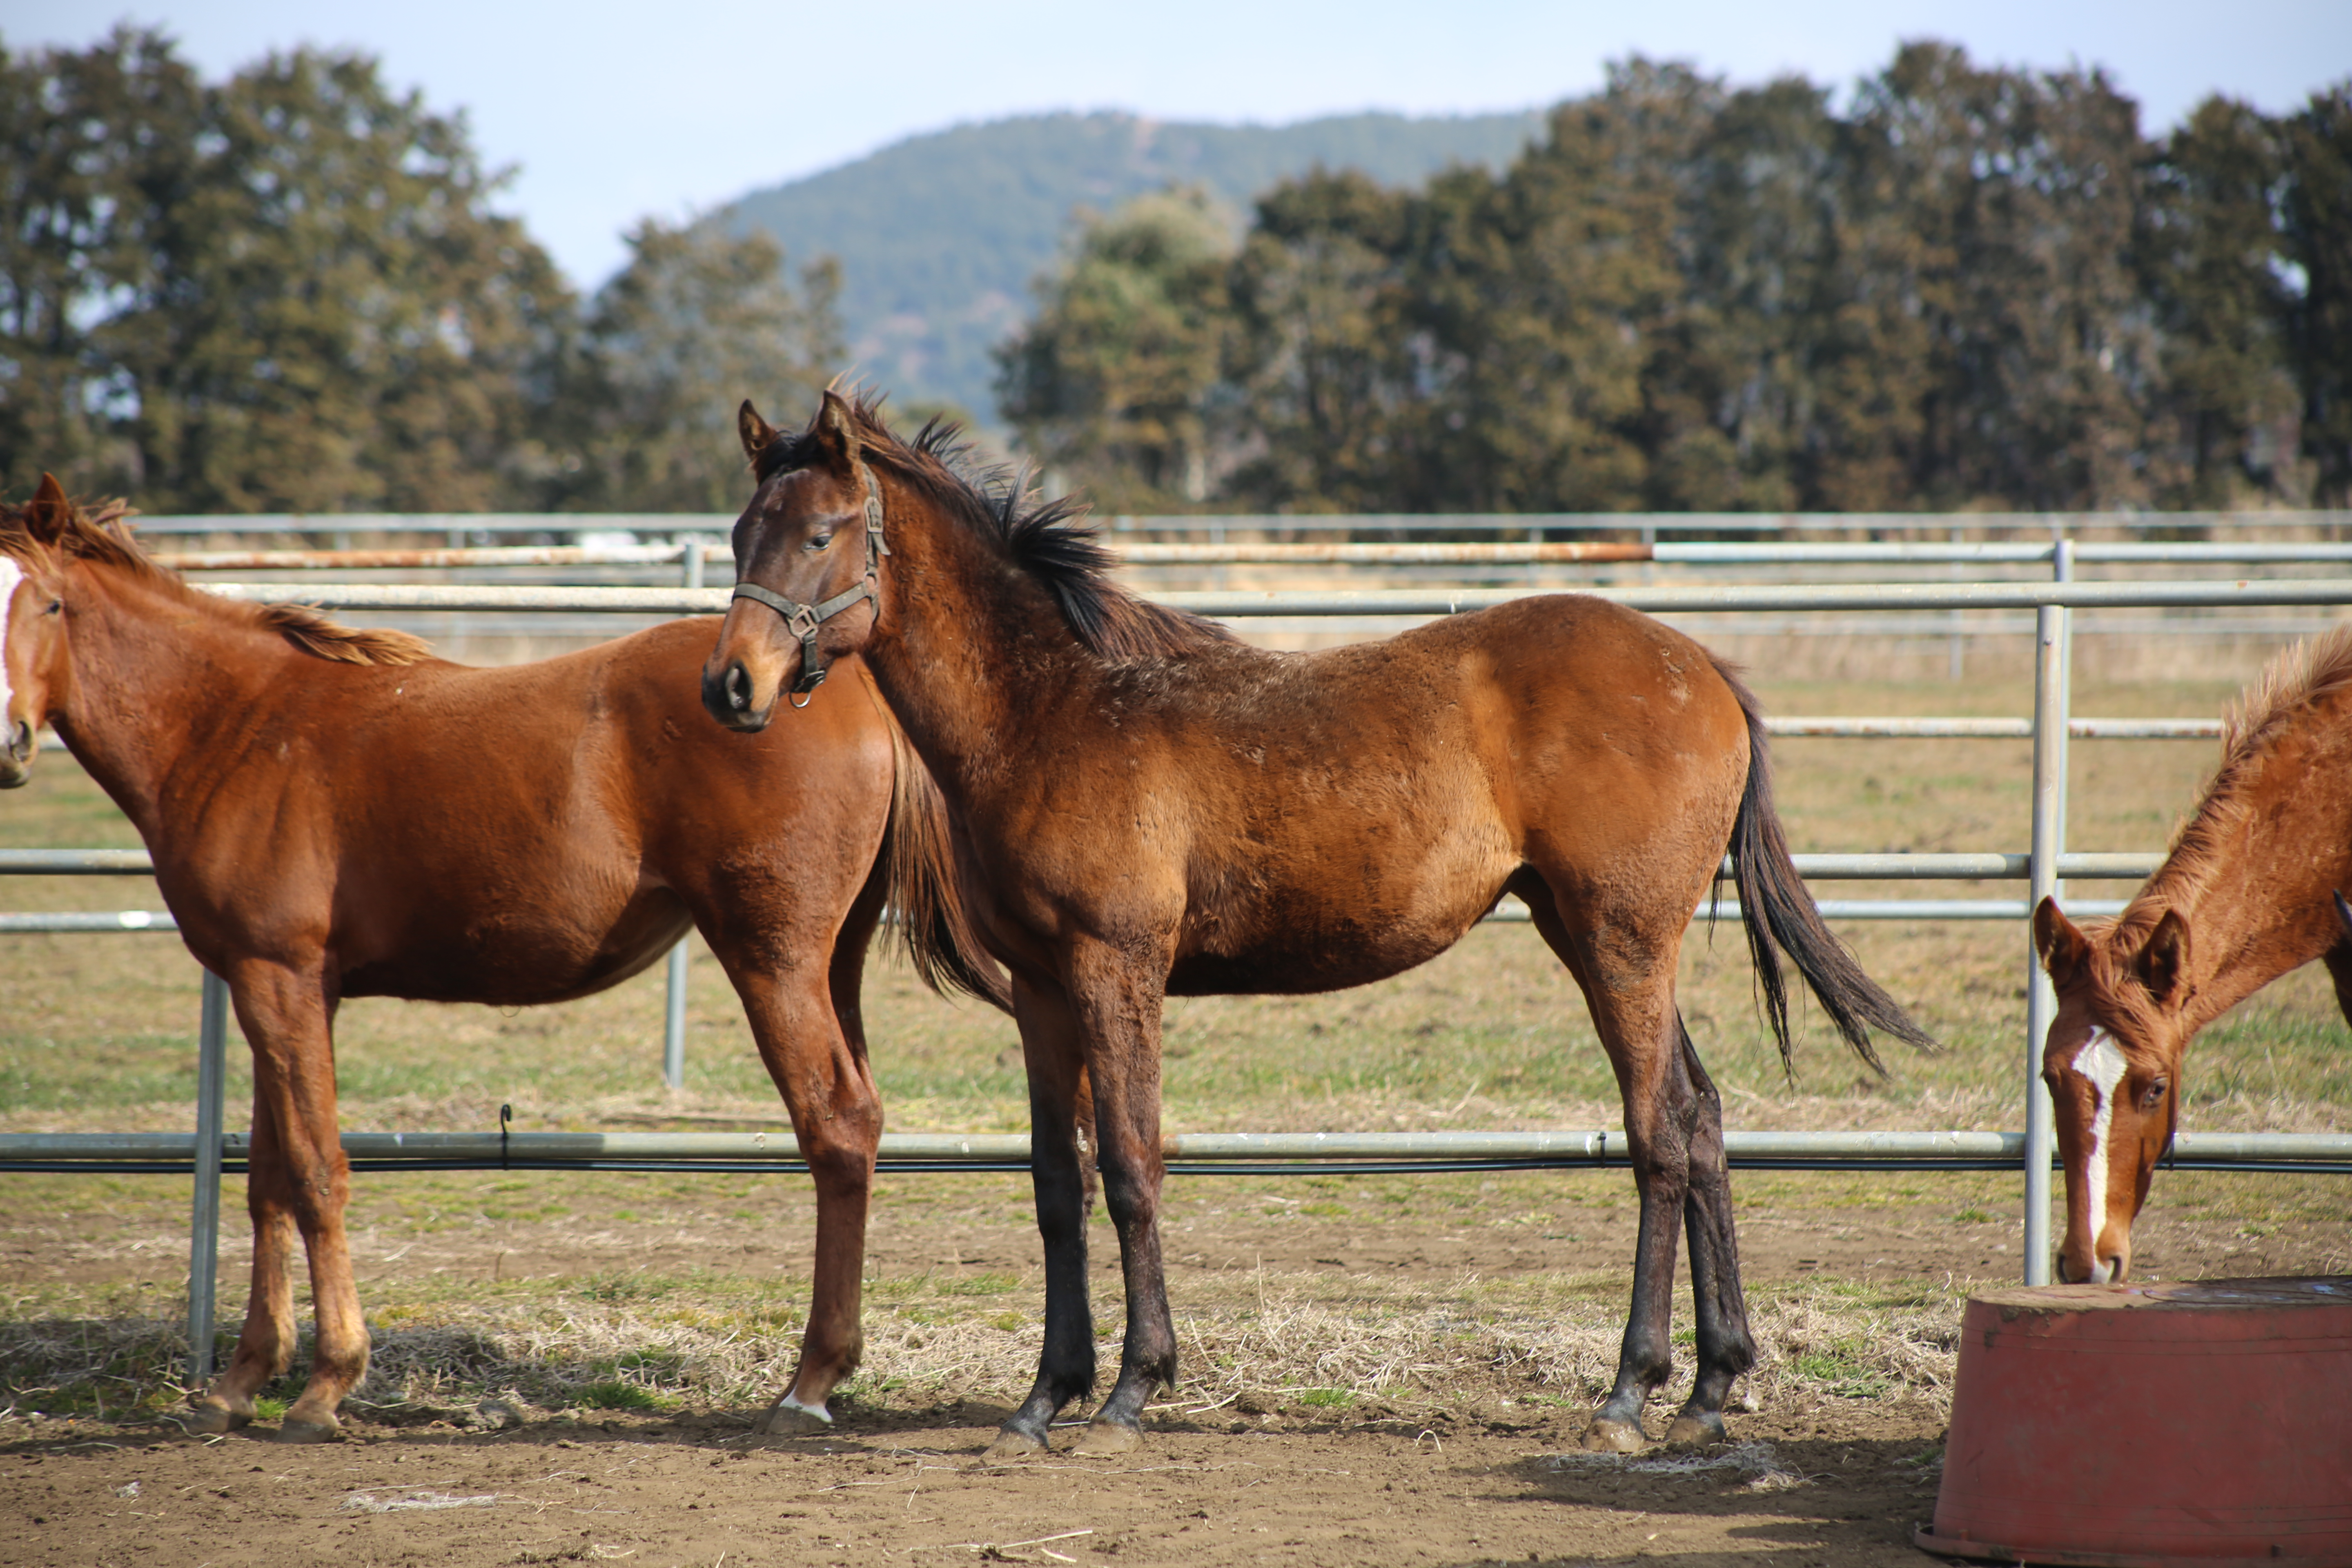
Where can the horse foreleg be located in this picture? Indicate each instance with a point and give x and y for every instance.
(1121, 1016)
(285, 1017)
(1725, 1349)
(264, 1346)
(1065, 1367)
(828, 1089)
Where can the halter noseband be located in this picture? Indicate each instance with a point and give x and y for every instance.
(802, 620)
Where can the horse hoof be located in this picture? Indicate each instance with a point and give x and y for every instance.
(1696, 1430)
(292, 1431)
(1108, 1439)
(210, 1420)
(790, 1418)
(1010, 1448)
(1613, 1437)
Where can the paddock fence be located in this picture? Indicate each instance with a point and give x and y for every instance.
(211, 1148)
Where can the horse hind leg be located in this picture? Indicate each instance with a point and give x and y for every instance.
(1624, 963)
(264, 1346)
(1726, 1348)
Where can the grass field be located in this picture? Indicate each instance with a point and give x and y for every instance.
(96, 1032)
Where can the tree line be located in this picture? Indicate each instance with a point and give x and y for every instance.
(1968, 287)
(293, 291)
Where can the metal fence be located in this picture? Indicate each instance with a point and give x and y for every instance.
(2043, 866)
(459, 526)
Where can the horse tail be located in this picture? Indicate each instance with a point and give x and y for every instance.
(1776, 908)
(933, 925)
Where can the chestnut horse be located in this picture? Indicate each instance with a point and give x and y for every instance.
(2249, 891)
(333, 812)
(1144, 805)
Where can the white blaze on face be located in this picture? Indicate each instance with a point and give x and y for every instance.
(10, 575)
(2102, 1062)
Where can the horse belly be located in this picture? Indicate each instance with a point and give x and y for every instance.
(518, 956)
(1312, 950)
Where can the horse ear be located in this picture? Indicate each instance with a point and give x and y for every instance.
(49, 512)
(2063, 948)
(837, 424)
(2164, 959)
(755, 432)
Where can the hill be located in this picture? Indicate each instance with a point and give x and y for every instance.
(939, 236)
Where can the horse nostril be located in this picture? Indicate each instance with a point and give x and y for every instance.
(20, 741)
(738, 689)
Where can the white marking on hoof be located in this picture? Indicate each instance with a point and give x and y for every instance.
(789, 1415)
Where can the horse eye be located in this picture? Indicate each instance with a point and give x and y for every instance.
(2152, 1096)
(57, 606)
(819, 542)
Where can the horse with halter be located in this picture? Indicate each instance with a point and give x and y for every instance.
(334, 813)
(1143, 806)
(2249, 891)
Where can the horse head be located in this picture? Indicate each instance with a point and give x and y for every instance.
(2112, 1061)
(808, 550)
(33, 672)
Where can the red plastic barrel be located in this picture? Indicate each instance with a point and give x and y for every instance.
(2207, 1423)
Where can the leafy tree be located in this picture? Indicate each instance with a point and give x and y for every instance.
(98, 147)
(285, 293)
(1319, 349)
(2211, 259)
(2317, 224)
(1110, 382)
(696, 321)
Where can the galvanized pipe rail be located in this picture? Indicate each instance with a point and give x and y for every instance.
(461, 525)
(653, 599)
(1196, 1153)
(1271, 554)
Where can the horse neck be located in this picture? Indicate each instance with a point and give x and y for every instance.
(960, 657)
(156, 677)
(2258, 900)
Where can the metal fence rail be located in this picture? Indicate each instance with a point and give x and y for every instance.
(1278, 553)
(2047, 524)
(1201, 1154)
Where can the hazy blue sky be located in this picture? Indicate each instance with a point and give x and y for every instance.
(612, 110)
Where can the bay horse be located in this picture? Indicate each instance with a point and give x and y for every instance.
(334, 813)
(2249, 890)
(1144, 805)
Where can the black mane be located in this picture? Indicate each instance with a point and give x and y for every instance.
(1053, 541)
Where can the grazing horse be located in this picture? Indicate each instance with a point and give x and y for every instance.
(1144, 805)
(2249, 891)
(333, 812)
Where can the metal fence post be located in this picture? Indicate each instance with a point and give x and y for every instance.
(674, 1026)
(204, 1223)
(690, 563)
(2041, 999)
(2062, 570)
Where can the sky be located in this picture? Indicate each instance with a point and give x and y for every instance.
(609, 112)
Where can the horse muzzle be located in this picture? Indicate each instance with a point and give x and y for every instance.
(16, 757)
(731, 695)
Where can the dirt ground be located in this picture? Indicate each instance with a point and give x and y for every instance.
(1479, 1478)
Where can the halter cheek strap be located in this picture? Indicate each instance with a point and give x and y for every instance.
(802, 620)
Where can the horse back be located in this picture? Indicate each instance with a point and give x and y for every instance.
(535, 832)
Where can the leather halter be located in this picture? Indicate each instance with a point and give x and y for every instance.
(802, 620)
